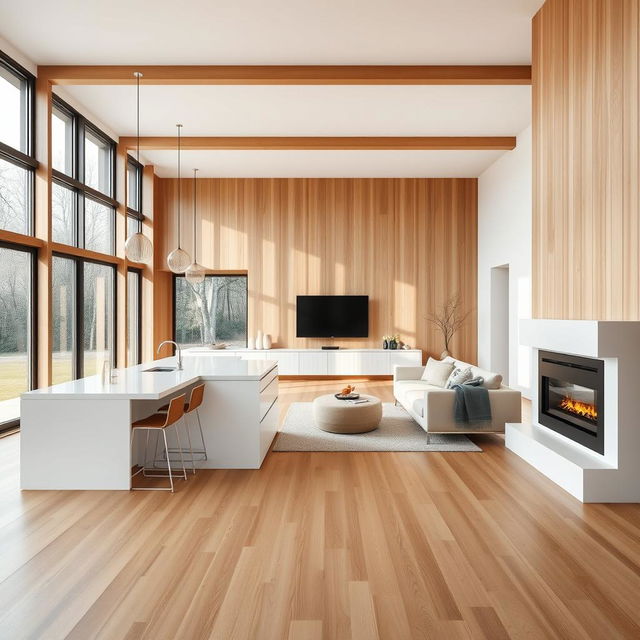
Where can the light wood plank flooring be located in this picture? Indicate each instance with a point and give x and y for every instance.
(322, 545)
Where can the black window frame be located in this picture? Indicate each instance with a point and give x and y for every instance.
(208, 275)
(132, 212)
(76, 181)
(138, 272)
(18, 157)
(32, 379)
(78, 311)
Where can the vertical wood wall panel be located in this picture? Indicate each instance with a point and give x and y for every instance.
(407, 243)
(586, 245)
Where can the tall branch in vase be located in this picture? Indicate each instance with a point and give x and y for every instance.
(449, 318)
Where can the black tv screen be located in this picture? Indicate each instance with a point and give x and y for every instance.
(332, 316)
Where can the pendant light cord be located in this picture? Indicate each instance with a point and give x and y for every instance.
(179, 127)
(138, 76)
(195, 236)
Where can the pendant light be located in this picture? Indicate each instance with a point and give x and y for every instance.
(195, 272)
(178, 260)
(138, 247)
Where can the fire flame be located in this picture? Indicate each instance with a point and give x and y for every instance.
(582, 409)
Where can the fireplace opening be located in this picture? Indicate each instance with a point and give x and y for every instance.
(572, 397)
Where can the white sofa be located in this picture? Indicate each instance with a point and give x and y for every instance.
(432, 407)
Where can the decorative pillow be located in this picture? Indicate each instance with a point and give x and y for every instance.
(491, 380)
(459, 376)
(437, 372)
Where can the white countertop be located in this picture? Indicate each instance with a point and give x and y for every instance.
(136, 384)
(232, 350)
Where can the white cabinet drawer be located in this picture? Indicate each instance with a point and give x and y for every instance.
(404, 358)
(268, 393)
(313, 363)
(287, 362)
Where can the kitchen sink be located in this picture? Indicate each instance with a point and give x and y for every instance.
(159, 370)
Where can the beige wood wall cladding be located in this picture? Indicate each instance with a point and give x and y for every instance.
(406, 243)
(586, 244)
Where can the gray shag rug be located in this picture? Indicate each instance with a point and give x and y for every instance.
(397, 432)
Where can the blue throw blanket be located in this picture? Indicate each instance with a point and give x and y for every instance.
(472, 402)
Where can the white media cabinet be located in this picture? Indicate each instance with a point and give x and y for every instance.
(320, 362)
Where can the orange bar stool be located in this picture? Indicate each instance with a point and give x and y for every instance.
(160, 422)
(195, 400)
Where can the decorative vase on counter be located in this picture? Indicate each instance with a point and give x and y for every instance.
(266, 341)
(393, 344)
(259, 340)
(385, 344)
(444, 354)
(251, 343)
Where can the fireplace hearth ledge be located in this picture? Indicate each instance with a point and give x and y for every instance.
(588, 476)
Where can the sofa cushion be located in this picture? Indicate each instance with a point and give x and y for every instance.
(437, 372)
(491, 380)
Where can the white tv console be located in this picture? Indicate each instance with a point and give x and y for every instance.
(320, 362)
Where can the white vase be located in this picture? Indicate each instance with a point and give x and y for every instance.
(251, 343)
(266, 341)
(259, 340)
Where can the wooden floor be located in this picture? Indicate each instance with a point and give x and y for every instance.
(322, 545)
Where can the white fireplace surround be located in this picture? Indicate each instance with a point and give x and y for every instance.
(589, 476)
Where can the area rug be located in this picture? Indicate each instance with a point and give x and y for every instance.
(397, 432)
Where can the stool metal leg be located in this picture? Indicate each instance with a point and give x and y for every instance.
(186, 426)
(204, 446)
(166, 448)
(184, 471)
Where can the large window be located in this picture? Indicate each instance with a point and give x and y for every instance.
(83, 201)
(17, 160)
(16, 321)
(63, 319)
(214, 311)
(17, 261)
(83, 317)
(134, 316)
(134, 197)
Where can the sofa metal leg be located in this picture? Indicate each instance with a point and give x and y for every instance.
(395, 403)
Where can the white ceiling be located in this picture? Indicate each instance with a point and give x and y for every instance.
(311, 110)
(325, 164)
(271, 32)
(316, 111)
(291, 32)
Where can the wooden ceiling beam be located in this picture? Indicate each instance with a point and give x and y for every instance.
(341, 143)
(288, 75)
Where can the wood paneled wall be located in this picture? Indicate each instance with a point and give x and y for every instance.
(407, 243)
(586, 242)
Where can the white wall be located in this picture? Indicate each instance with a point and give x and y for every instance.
(504, 239)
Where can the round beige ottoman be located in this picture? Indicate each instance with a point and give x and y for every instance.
(341, 416)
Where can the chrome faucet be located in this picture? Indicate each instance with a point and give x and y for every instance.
(178, 349)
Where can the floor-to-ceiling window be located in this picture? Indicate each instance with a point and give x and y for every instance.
(83, 314)
(63, 288)
(16, 320)
(17, 257)
(83, 216)
(134, 197)
(212, 311)
(83, 190)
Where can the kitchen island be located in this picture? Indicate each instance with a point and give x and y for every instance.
(77, 435)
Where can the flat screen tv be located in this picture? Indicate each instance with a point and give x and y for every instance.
(332, 316)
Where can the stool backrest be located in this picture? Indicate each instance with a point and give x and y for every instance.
(197, 394)
(176, 410)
